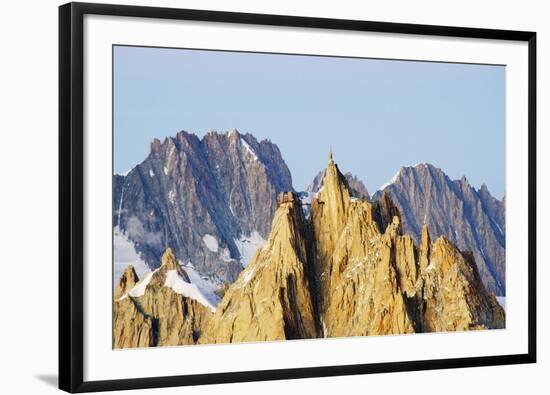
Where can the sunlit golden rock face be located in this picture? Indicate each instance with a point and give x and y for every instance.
(272, 299)
(128, 280)
(158, 315)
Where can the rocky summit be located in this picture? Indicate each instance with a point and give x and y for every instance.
(163, 309)
(472, 219)
(211, 199)
(356, 186)
(348, 269)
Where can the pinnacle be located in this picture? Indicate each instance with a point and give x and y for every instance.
(168, 260)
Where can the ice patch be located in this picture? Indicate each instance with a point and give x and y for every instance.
(182, 287)
(248, 245)
(211, 242)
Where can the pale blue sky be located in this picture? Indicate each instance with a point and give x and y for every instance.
(377, 115)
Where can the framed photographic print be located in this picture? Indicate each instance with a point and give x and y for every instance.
(253, 197)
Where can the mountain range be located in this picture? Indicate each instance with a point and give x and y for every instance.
(347, 269)
(211, 200)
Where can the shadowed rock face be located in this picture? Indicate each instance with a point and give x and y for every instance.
(472, 220)
(199, 196)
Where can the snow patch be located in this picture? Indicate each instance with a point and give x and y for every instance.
(249, 149)
(498, 227)
(172, 196)
(207, 287)
(226, 255)
(424, 165)
(210, 242)
(139, 288)
(248, 245)
(165, 171)
(125, 254)
(182, 287)
(391, 181)
(120, 206)
(502, 301)
(151, 173)
(125, 173)
(430, 267)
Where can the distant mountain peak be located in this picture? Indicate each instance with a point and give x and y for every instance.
(473, 220)
(224, 185)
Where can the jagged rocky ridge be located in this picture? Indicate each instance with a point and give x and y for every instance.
(472, 219)
(347, 270)
(210, 199)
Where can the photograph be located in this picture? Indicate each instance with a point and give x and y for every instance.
(260, 197)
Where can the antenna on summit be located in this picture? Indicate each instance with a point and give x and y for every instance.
(330, 155)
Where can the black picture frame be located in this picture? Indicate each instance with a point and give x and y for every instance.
(71, 197)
